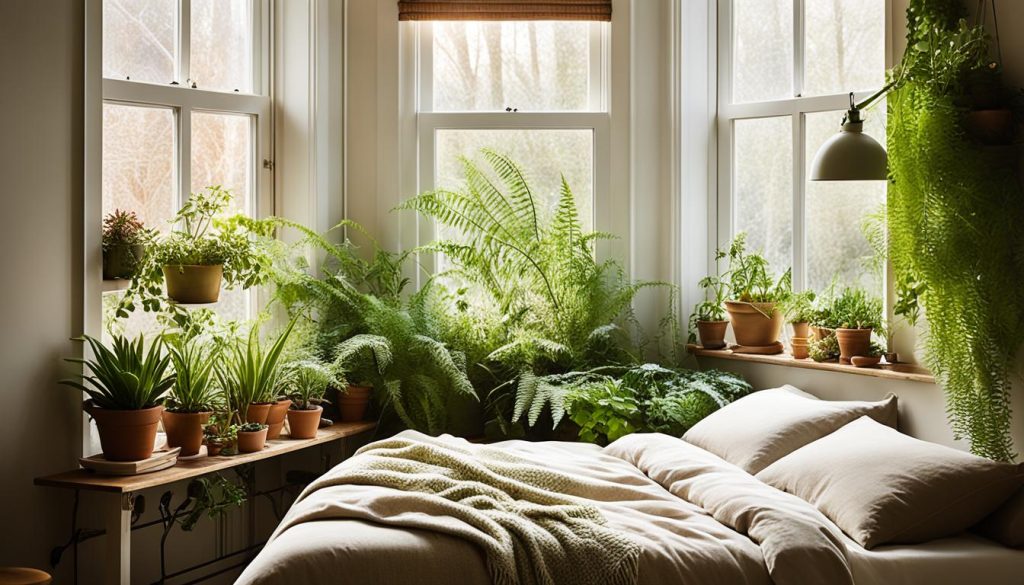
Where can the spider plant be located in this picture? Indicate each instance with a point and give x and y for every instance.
(194, 361)
(251, 373)
(305, 383)
(125, 376)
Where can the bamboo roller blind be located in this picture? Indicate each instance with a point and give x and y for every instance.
(505, 10)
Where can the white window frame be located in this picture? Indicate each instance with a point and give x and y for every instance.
(796, 107)
(417, 69)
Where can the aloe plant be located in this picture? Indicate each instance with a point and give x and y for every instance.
(125, 376)
(252, 373)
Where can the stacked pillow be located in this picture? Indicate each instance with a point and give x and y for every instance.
(878, 485)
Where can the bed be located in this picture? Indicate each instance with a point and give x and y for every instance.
(695, 517)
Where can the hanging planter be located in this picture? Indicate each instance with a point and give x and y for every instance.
(124, 244)
(193, 284)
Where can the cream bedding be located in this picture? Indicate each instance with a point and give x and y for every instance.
(697, 518)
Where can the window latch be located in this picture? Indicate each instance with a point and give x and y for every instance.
(268, 164)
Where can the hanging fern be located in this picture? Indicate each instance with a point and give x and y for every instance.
(954, 215)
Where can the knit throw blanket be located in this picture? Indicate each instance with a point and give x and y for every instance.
(513, 509)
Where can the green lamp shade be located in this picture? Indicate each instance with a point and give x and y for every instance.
(850, 155)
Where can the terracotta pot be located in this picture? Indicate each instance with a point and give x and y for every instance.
(125, 435)
(193, 285)
(212, 450)
(863, 361)
(120, 261)
(800, 340)
(801, 329)
(801, 351)
(302, 424)
(353, 402)
(991, 126)
(892, 358)
(275, 418)
(750, 325)
(258, 413)
(251, 442)
(712, 333)
(822, 332)
(853, 342)
(185, 430)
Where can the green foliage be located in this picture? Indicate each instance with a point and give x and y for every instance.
(750, 278)
(205, 235)
(213, 496)
(251, 427)
(124, 228)
(372, 333)
(605, 410)
(825, 349)
(306, 382)
(853, 308)
(125, 376)
(799, 308)
(954, 218)
(194, 360)
(712, 308)
(250, 372)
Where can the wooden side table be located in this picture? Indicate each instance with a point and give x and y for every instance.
(119, 491)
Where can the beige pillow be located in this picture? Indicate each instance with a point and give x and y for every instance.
(881, 486)
(760, 428)
(1006, 524)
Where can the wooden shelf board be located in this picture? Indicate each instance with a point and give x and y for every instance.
(908, 372)
(84, 479)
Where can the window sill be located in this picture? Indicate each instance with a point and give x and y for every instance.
(907, 372)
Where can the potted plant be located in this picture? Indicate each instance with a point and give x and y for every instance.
(219, 435)
(307, 382)
(125, 385)
(124, 244)
(824, 349)
(754, 310)
(208, 246)
(855, 315)
(251, 374)
(360, 361)
(991, 117)
(252, 437)
(799, 310)
(190, 401)
(708, 317)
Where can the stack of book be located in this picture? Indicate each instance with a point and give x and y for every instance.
(159, 460)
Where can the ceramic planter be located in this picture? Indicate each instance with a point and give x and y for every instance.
(125, 435)
(863, 361)
(213, 449)
(275, 418)
(353, 402)
(193, 285)
(258, 413)
(750, 325)
(712, 333)
(801, 329)
(252, 441)
(185, 430)
(302, 424)
(119, 261)
(853, 342)
(800, 351)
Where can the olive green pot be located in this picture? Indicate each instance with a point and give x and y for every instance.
(193, 284)
(121, 260)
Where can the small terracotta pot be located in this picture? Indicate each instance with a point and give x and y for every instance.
(800, 340)
(275, 418)
(801, 351)
(750, 325)
(120, 261)
(892, 358)
(251, 442)
(193, 284)
(302, 424)
(991, 126)
(863, 361)
(125, 435)
(822, 332)
(258, 412)
(212, 450)
(185, 430)
(853, 342)
(712, 333)
(353, 403)
(801, 329)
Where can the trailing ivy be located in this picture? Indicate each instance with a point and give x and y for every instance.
(955, 213)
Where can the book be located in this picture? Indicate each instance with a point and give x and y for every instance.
(159, 460)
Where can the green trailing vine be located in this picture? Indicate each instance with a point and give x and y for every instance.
(955, 213)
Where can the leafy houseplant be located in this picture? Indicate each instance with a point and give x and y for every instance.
(708, 317)
(124, 244)
(852, 315)
(824, 349)
(220, 434)
(250, 375)
(125, 385)
(799, 310)
(191, 399)
(754, 310)
(252, 437)
(207, 246)
(307, 382)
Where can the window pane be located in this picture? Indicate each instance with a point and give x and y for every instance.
(762, 49)
(835, 209)
(544, 155)
(763, 187)
(532, 66)
(138, 163)
(221, 51)
(139, 39)
(222, 155)
(845, 48)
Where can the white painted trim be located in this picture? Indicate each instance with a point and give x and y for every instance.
(92, 171)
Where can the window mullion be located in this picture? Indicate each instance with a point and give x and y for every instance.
(799, 198)
(798, 48)
(184, 41)
(184, 153)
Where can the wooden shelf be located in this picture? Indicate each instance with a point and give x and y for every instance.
(906, 372)
(83, 479)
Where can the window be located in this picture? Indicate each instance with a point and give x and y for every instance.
(786, 68)
(185, 106)
(534, 90)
